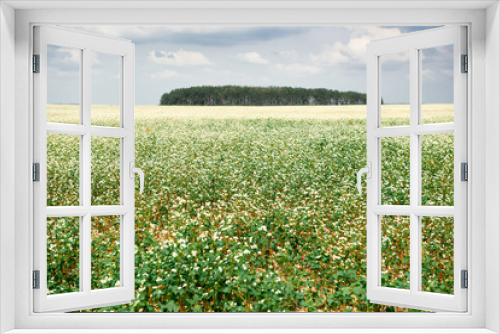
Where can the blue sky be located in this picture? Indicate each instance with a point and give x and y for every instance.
(297, 56)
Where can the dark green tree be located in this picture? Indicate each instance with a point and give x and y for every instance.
(259, 96)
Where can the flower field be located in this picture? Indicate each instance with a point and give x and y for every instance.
(250, 209)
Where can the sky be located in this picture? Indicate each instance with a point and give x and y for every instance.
(169, 57)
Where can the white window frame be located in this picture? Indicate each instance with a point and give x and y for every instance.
(413, 43)
(124, 51)
(483, 246)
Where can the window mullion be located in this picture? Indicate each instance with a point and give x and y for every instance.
(414, 171)
(85, 167)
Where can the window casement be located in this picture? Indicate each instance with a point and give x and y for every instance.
(88, 216)
(411, 211)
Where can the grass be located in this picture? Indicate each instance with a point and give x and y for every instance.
(251, 209)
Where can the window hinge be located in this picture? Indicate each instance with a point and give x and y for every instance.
(36, 279)
(464, 171)
(465, 279)
(36, 172)
(465, 64)
(36, 63)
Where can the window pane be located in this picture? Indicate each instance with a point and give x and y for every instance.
(63, 84)
(63, 170)
(395, 89)
(105, 252)
(437, 254)
(106, 74)
(105, 171)
(395, 252)
(63, 255)
(437, 169)
(395, 175)
(437, 84)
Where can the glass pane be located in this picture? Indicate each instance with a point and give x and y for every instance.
(63, 170)
(105, 171)
(105, 252)
(437, 254)
(437, 169)
(106, 88)
(395, 252)
(437, 84)
(63, 255)
(395, 89)
(63, 84)
(395, 176)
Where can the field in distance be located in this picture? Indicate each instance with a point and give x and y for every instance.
(108, 114)
(250, 209)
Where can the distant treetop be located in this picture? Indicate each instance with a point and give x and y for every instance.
(259, 96)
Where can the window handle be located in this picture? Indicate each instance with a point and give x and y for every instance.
(368, 171)
(134, 170)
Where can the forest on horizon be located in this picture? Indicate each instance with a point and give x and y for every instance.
(232, 95)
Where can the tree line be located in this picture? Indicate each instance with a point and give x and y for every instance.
(259, 96)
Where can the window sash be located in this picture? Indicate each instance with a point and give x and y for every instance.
(86, 298)
(414, 298)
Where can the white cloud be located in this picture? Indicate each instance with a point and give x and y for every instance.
(179, 58)
(253, 58)
(148, 32)
(68, 55)
(62, 73)
(447, 72)
(72, 56)
(95, 59)
(354, 51)
(428, 74)
(288, 53)
(165, 74)
(436, 74)
(224, 72)
(297, 69)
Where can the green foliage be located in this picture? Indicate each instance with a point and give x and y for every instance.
(395, 159)
(105, 252)
(437, 254)
(254, 216)
(437, 169)
(259, 96)
(395, 252)
(105, 171)
(63, 242)
(63, 170)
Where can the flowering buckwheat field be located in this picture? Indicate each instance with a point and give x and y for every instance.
(250, 209)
